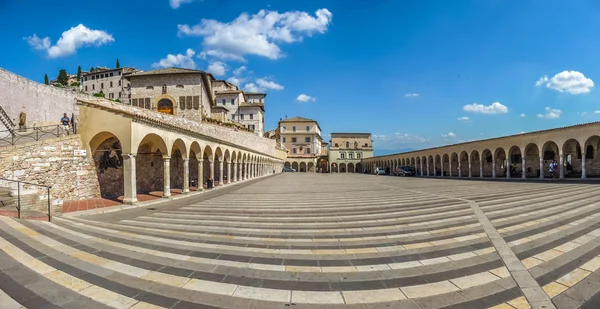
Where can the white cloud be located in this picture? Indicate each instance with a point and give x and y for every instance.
(251, 87)
(179, 60)
(217, 68)
(259, 34)
(550, 113)
(398, 140)
(263, 83)
(494, 108)
(37, 43)
(176, 3)
(70, 41)
(464, 118)
(522, 115)
(411, 95)
(239, 70)
(450, 135)
(305, 98)
(572, 82)
(596, 112)
(234, 80)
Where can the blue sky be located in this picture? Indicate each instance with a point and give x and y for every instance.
(406, 71)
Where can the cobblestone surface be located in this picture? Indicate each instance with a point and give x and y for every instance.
(318, 241)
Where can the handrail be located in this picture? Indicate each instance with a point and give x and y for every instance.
(36, 133)
(5, 116)
(19, 194)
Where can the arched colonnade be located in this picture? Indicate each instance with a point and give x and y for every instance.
(577, 157)
(127, 165)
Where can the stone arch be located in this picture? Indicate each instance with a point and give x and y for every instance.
(403, 162)
(487, 158)
(475, 164)
(463, 158)
(226, 167)
(295, 166)
(334, 168)
(176, 170)
(195, 155)
(438, 165)
(445, 165)
(165, 104)
(550, 152)
(302, 167)
(208, 156)
(359, 167)
(107, 153)
(418, 166)
(514, 161)
(500, 161)
(430, 170)
(573, 156)
(454, 170)
(151, 153)
(343, 168)
(351, 168)
(592, 145)
(311, 167)
(424, 166)
(532, 160)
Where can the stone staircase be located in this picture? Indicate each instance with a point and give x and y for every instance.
(9, 201)
(6, 121)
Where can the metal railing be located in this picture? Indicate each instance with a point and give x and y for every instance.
(12, 137)
(36, 196)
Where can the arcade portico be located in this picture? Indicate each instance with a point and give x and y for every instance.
(526, 155)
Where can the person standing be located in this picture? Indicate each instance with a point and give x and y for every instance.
(66, 123)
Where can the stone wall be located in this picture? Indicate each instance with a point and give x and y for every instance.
(42, 104)
(52, 162)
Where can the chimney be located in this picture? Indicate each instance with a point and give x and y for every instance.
(285, 116)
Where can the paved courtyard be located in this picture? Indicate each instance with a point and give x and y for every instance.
(318, 241)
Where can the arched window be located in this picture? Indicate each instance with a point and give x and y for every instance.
(355, 145)
(179, 86)
(347, 145)
(164, 89)
(165, 106)
(342, 155)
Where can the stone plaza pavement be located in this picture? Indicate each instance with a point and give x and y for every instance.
(300, 240)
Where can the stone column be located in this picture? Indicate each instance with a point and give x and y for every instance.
(247, 171)
(561, 166)
(507, 168)
(129, 177)
(480, 167)
(235, 171)
(470, 167)
(583, 175)
(493, 167)
(434, 170)
(166, 177)
(221, 172)
(450, 168)
(200, 175)
(541, 167)
(186, 175)
(459, 169)
(427, 167)
(523, 168)
(229, 172)
(421, 164)
(211, 171)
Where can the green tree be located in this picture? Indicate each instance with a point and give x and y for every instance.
(46, 79)
(118, 64)
(63, 77)
(91, 69)
(78, 73)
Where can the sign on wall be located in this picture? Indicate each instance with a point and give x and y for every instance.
(79, 152)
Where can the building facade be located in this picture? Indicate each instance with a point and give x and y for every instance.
(111, 82)
(301, 137)
(347, 150)
(245, 108)
(184, 93)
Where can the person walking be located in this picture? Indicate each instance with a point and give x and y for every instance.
(552, 169)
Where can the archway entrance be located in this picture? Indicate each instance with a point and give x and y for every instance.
(165, 106)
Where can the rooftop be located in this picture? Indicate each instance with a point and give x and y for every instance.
(349, 133)
(166, 71)
(297, 119)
